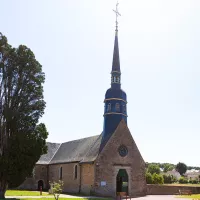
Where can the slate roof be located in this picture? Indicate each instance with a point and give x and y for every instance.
(46, 158)
(116, 62)
(82, 150)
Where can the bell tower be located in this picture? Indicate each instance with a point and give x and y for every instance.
(115, 108)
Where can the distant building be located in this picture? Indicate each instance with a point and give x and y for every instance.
(101, 165)
(173, 173)
(192, 174)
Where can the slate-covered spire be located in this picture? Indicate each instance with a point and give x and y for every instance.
(116, 61)
(116, 73)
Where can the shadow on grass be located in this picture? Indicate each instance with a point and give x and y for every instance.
(10, 199)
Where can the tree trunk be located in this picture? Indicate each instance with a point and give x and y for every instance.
(2, 194)
(3, 187)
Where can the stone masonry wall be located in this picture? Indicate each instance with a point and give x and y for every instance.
(87, 178)
(31, 183)
(169, 190)
(109, 162)
(71, 184)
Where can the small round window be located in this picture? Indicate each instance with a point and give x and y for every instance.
(123, 151)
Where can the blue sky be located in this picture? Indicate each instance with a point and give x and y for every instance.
(159, 52)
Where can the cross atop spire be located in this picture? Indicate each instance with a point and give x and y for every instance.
(117, 14)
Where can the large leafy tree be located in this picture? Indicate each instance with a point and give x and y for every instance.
(181, 168)
(168, 167)
(22, 139)
(153, 168)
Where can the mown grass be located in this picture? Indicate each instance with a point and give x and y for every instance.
(193, 196)
(59, 198)
(186, 185)
(21, 193)
(25, 193)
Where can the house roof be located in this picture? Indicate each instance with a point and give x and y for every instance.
(82, 150)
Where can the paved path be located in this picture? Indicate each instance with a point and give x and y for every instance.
(149, 197)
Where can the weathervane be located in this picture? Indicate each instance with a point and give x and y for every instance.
(117, 14)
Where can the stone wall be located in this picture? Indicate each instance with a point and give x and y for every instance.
(71, 184)
(169, 190)
(31, 183)
(87, 178)
(109, 162)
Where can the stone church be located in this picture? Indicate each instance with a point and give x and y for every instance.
(100, 165)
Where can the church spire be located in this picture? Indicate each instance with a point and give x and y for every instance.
(116, 73)
(116, 62)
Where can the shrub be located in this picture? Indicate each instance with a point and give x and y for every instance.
(157, 179)
(194, 181)
(174, 179)
(57, 188)
(182, 180)
(168, 178)
(149, 178)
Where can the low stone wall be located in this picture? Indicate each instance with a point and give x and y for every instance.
(169, 189)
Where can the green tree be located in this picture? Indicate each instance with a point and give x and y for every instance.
(22, 139)
(153, 168)
(57, 188)
(167, 178)
(181, 168)
(168, 167)
(149, 178)
(157, 179)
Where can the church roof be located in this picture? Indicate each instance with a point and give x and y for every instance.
(82, 150)
(51, 150)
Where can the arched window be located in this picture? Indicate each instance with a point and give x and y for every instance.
(109, 107)
(60, 173)
(75, 172)
(117, 107)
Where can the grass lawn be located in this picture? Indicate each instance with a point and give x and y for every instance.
(25, 193)
(37, 193)
(194, 196)
(60, 199)
(178, 184)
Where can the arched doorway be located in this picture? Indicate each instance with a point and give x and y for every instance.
(40, 184)
(122, 181)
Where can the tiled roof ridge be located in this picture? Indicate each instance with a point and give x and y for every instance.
(55, 153)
